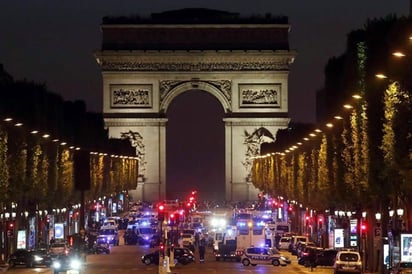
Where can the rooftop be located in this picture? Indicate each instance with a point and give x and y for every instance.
(197, 16)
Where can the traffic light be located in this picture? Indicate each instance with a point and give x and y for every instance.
(10, 229)
(162, 250)
(320, 221)
(307, 219)
(172, 219)
(47, 222)
(364, 229)
(161, 212)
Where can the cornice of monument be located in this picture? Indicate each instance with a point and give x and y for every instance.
(195, 60)
(131, 122)
(281, 122)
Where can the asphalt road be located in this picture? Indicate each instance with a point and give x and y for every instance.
(127, 259)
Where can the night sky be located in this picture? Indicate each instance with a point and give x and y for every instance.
(52, 42)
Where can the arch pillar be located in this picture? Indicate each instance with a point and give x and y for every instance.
(243, 139)
(148, 135)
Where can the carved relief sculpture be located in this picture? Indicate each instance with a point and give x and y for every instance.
(131, 95)
(255, 95)
(136, 140)
(253, 141)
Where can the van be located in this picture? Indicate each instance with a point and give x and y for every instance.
(144, 234)
(109, 224)
(348, 261)
(284, 243)
(294, 243)
(111, 235)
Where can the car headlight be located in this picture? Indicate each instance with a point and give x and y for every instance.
(57, 264)
(75, 264)
(37, 258)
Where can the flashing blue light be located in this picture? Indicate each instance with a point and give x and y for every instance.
(261, 223)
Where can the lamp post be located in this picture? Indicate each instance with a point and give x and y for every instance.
(395, 227)
(377, 241)
(390, 237)
(363, 239)
(399, 212)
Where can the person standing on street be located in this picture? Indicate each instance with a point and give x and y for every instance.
(202, 248)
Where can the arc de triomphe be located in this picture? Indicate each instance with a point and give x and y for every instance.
(243, 62)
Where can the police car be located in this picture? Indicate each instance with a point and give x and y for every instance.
(261, 255)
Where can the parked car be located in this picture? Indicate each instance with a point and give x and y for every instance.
(29, 258)
(300, 247)
(347, 261)
(326, 257)
(402, 268)
(261, 255)
(182, 255)
(307, 253)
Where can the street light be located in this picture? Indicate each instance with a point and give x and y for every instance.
(378, 217)
(399, 212)
(395, 228)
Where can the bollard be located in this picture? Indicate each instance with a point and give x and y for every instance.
(166, 262)
(172, 258)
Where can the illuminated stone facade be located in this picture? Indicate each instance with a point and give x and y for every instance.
(141, 77)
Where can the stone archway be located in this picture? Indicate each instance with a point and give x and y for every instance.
(195, 148)
(170, 89)
(141, 78)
